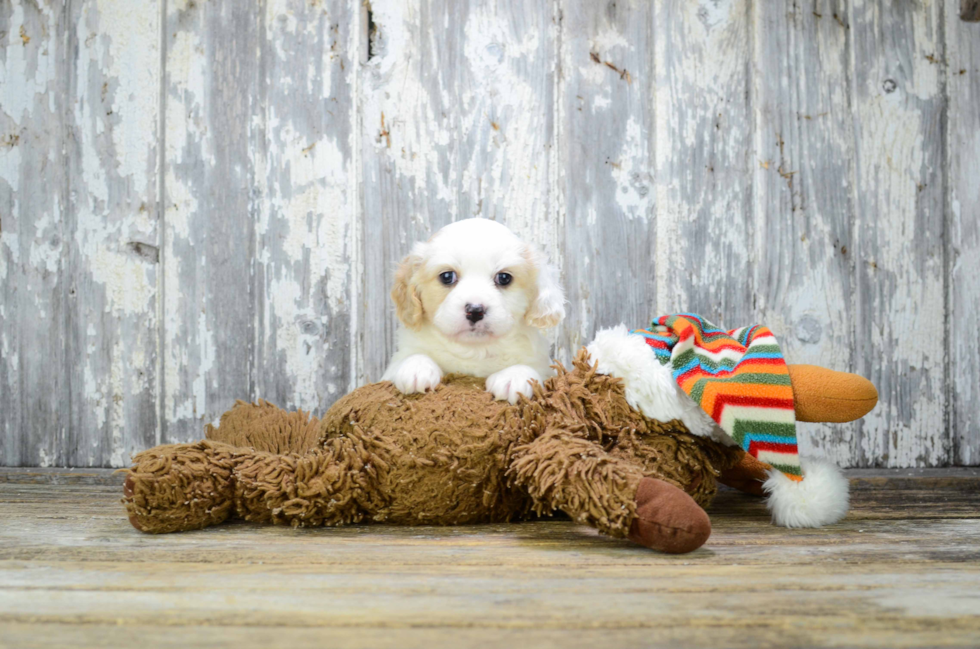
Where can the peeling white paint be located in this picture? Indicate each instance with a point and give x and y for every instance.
(206, 364)
(10, 160)
(128, 291)
(299, 348)
(129, 57)
(117, 390)
(22, 76)
(9, 241)
(46, 247)
(415, 146)
(634, 183)
(901, 264)
(503, 159)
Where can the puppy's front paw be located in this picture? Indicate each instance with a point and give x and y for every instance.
(417, 373)
(515, 380)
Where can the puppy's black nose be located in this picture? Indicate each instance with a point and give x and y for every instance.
(475, 312)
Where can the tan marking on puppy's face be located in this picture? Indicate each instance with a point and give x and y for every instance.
(406, 292)
(432, 292)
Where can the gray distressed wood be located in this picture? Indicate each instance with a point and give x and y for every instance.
(803, 270)
(80, 277)
(113, 255)
(704, 159)
(305, 202)
(963, 254)
(260, 220)
(897, 54)
(34, 235)
(205, 201)
(606, 180)
(212, 90)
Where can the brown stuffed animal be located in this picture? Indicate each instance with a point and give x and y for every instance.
(454, 456)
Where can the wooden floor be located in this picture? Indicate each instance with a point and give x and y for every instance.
(902, 570)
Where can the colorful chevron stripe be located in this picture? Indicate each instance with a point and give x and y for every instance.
(738, 377)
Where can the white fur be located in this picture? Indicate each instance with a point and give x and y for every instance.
(507, 345)
(650, 386)
(821, 498)
(416, 373)
(509, 383)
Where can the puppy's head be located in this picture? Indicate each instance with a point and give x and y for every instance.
(474, 281)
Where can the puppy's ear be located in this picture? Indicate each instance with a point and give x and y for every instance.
(405, 294)
(548, 307)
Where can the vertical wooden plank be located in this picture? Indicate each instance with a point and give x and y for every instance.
(455, 122)
(408, 152)
(114, 254)
(607, 162)
(898, 55)
(305, 223)
(963, 253)
(34, 237)
(505, 106)
(703, 149)
(211, 89)
(803, 271)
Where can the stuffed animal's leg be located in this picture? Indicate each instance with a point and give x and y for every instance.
(564, 471)
(747, 475)
(181, 487)
(332, 485)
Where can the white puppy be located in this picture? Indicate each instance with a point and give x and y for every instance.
(473, 299)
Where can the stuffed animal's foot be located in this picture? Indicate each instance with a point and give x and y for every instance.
(748, 475)
(667, 519)
(180, 487)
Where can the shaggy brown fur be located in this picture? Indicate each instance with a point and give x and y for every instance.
(447, 457)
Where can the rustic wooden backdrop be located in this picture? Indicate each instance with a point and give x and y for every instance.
(203, 200)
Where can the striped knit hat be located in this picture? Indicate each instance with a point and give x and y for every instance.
(739, 378)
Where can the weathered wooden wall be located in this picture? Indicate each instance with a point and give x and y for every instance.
(203, 200)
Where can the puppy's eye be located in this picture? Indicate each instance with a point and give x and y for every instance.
(503, 279)
(448, 278)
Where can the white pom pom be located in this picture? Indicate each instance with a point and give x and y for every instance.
(821, 498)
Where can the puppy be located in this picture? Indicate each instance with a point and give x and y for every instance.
(473, 300)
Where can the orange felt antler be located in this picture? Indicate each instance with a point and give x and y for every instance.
(820, 394)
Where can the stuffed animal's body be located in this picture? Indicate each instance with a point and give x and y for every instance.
(455, 456)
(448, 457)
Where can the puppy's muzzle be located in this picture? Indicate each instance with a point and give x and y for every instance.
(475, 312)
